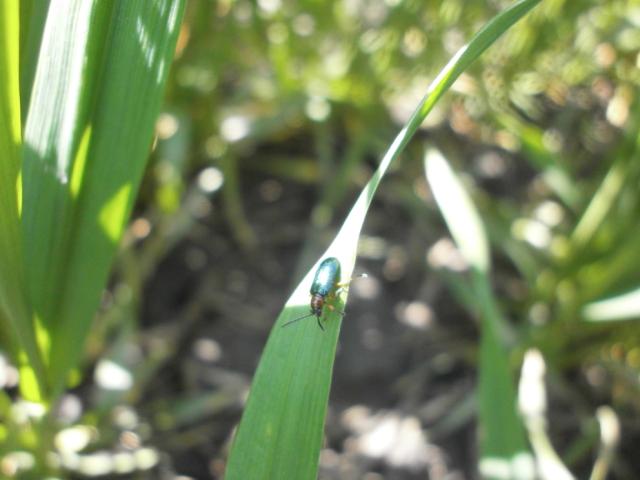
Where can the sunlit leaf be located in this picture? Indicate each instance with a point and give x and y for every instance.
(15, 323)
(458, 210)
(620, 307)
(96, 94)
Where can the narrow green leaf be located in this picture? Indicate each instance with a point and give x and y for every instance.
(9, 157)
(280, 434)
(15, 319)
(33, 14)
(504, 453)
(502, 439)
(601, 203)
(621, 307)
(96, 94)
(458, 210)
(622, 176)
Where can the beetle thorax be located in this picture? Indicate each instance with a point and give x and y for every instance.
(317, 302)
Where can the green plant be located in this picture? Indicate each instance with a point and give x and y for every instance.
(280, 434)
(80, 88)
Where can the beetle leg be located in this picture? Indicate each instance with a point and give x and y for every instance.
(344, 286)
(320, 324)
(333, 309)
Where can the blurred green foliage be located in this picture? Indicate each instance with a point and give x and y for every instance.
(544, 131)
(310, 91)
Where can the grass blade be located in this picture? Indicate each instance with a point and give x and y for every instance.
(9, 157)
(621, 176)
(601, 203)
(502, 435)
(280, 434)
(95, 98)
(621, 307)
(14, 312)
(458, 210)
(33, 14)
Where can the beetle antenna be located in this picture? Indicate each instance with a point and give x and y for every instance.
(296, 319)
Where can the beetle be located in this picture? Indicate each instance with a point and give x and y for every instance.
(323, 288)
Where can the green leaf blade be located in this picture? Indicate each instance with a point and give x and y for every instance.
(625, 306)
(503, 448)
(282, 427)
(503, 445)
(459, 211)
(18, 335)
(96, 95)
(281, 430)
(9, 158)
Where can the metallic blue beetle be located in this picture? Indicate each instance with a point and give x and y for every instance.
(324, 287)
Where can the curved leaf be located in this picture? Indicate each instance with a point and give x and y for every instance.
(280, 434)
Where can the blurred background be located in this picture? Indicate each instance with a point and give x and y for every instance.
(277, 112)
